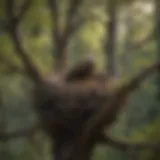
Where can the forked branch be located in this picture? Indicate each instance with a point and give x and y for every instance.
(15, 35)
(62, 36)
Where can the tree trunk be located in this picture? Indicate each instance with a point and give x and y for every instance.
(3, 127)
(157, 19)
(111, 39)
(126, 57)
(67, 147)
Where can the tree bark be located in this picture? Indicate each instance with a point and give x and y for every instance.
(157, 19)
(67, 147)
(3, 127)
(110, 46)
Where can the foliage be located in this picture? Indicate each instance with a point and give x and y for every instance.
(37, 34)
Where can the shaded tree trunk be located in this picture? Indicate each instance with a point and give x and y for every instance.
(67, 146)
(3, 127)
(110, 46)
(125, 58)
(157, 19)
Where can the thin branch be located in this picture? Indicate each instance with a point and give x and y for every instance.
(72, 13)
(20, 133)
(125, 145)
(54, 8)
(23, 9)
(14, 33)
(56, 32)
(116, 102)
(73, 9)
(76, 25)
(141, 43)
(13, 70)
(136, 81)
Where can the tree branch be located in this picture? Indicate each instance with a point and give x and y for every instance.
(107, 115)
(72, 13)
(14, 33)
(61, 38)
(54, 8)
(23, 9)
(141, 43)
(74, 27)
(56, 32)
(20, 133)
(124, 145)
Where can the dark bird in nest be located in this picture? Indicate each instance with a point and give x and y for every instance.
(81, 71)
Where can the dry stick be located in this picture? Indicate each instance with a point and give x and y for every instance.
(113, 106)
(14, 33)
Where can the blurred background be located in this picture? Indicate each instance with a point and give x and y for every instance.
(122, 35)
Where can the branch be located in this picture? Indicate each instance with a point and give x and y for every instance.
(74, 27)
(72, 12)
(124, 145)
(140, 44)
(73, 9)
(14, 33)
(136, 81)
(61, 38)
(107, 115)
(132, 47)
(20, 133)
(24, 8)
(53, 5)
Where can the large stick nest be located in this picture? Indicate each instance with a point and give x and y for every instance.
(79, 105)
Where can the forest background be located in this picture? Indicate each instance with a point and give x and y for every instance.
(123, 36)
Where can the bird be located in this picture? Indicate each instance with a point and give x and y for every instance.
(81, 71)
